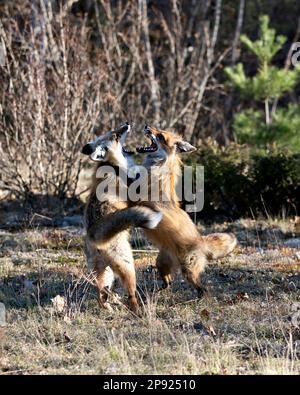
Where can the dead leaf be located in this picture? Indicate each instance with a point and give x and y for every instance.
(58, 303)
(211, 330)
(242, 296)
(205, 313)
(67, 338)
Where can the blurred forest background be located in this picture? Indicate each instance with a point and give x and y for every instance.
(219, 72)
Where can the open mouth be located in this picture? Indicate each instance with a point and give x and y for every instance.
(127, 151)
(125, 131)
(148, 148)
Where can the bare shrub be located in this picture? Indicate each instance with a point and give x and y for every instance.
(50, 97)
(66, 74)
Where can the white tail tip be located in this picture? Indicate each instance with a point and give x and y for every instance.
(154, 220)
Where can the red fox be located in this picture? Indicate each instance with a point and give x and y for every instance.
(181, 245)
(107, 218)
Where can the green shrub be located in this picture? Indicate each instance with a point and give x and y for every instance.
(277, 182)
(250, 128)
(238, 182)
(274, 124)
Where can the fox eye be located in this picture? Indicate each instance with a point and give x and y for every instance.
(160, 137)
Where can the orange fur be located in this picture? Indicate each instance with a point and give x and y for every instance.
(181, 245)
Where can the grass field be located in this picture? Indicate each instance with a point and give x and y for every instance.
(247, 323)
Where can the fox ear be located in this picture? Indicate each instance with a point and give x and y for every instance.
(184, 146)
(88, 149)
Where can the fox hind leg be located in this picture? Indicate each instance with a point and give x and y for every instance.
(104, 274)
(104, 280)
(126, 272)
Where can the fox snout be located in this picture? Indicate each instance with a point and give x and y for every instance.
(125, 128)
(88, 149)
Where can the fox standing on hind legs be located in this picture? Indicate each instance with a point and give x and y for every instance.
(107, 217)
(181, 245)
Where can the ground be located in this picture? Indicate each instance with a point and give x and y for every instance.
(248, 322)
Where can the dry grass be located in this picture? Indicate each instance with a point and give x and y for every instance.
(247, 323)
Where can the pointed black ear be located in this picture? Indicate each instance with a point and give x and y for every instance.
(184, 146)
(88, 149)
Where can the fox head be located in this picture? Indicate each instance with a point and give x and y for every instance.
(163, 160)
(110, 147)
(164, 144)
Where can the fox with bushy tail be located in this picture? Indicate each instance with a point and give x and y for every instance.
(181, 245)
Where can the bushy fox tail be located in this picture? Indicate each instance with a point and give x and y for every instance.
(218, 245)
(103, 231)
